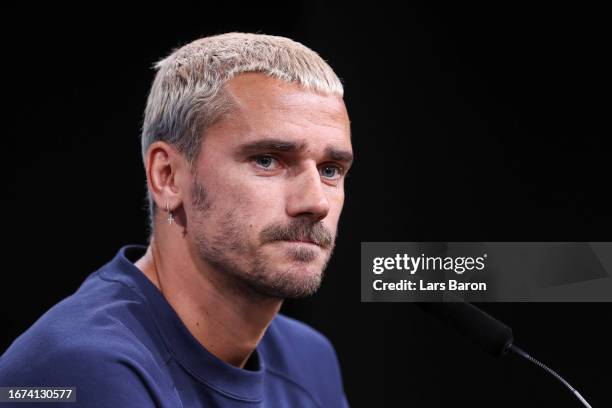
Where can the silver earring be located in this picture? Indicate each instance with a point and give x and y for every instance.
(170, 216)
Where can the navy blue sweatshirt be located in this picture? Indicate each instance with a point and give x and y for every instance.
(121, 344)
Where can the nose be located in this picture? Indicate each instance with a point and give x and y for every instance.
(307, 197)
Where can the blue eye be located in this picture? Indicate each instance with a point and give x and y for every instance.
(331, 172)
(265, 162)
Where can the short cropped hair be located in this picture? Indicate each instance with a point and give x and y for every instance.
(187, 95)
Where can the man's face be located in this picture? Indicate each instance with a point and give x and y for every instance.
(269, 187)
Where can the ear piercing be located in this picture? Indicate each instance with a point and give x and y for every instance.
(170, 216)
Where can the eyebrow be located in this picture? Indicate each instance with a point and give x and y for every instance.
(277, 145)
(339, 155)
(284, 146)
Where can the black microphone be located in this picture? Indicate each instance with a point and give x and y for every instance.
(489, 333)
(492, 335)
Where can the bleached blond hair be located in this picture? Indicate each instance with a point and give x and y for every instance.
(187, 95)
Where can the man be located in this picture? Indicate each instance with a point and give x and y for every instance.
(246, 143)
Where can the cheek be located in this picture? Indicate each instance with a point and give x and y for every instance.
(336, 202)
(254, 204)
(257, 196)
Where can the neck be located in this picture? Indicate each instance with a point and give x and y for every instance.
(224, 321)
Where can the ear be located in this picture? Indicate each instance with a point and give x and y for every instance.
(165, 173)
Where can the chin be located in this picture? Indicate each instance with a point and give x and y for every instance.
(299, 252)
(299, 281)
(295, 269)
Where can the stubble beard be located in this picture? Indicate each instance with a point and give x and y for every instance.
(256, 277)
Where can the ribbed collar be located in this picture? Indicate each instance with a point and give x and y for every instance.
(235, 382)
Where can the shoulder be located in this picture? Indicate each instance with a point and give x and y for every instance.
(87, 341)
(303, 356)
(100, 317)
(101, 376)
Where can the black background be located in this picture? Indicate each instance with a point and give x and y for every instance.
(470, 123)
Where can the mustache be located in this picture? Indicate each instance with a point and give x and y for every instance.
(298, 230)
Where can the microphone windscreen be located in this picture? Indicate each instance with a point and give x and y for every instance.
(489, 333)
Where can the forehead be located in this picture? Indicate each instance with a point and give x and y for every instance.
(266, 107)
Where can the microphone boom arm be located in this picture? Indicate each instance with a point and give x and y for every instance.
(522, 353)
